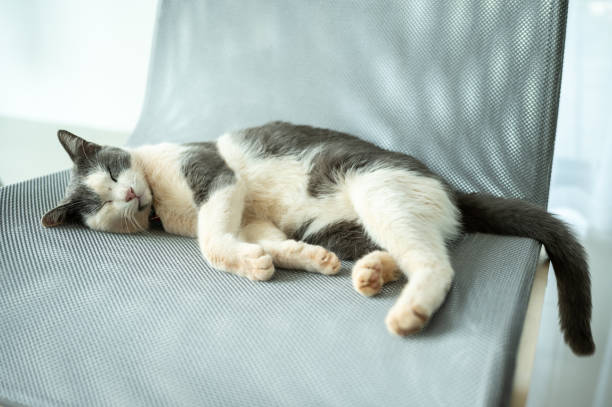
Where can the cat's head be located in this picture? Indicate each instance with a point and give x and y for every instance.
(107, 190)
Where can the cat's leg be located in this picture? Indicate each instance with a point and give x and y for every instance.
(219, 220)
(411, 216)
(374, 270)
(287, 253)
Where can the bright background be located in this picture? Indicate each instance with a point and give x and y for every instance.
(82, 65)
(74, 61)
(581, 193)
(74, 64)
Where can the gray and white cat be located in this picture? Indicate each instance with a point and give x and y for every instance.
(297, 197)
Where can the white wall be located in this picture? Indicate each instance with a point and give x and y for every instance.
(75, 61)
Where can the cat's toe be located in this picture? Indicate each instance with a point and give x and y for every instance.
(367, 277)
(321, 260)
(261, 268)
(404, 320)
(255, 263)
(329, 263)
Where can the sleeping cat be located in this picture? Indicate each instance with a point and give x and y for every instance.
(297, 197)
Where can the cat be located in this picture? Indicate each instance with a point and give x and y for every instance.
(300, 197)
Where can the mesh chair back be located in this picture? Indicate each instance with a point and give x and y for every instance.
(470, 87)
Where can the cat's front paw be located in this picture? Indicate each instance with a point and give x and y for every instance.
(255, 263)
(324, 261)
(404, 319)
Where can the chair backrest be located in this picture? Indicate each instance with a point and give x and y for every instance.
(469, 87)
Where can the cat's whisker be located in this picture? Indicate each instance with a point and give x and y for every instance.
(72, 204)
(130, 215)
(124, 221)
(138, 225)
(133, 213)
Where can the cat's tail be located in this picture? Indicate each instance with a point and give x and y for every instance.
(490, 214)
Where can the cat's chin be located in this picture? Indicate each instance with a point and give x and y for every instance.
(136, 223)
(139, 223)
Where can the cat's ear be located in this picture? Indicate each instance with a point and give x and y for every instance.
(56, 216)
(76, 146)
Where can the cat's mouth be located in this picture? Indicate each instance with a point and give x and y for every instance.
(142, 206)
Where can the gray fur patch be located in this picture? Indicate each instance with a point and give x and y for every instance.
(337, 153)
(115, 160)
(348, 240)
(205, 170)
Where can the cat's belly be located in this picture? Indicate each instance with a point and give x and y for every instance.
(278, 192)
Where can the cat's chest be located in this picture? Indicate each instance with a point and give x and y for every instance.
(172, 197)
(175, 209)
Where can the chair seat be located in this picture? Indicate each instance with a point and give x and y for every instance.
(90, 318)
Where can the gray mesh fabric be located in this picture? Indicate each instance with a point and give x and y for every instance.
(471, 88)
(105, 319)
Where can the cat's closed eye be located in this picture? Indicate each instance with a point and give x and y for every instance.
(111, 174)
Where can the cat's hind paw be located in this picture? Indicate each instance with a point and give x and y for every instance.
(372, 271)
(404, 319)
(367, 277)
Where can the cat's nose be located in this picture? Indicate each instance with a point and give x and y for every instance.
(130, 195)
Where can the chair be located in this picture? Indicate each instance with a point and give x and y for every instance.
(470, 88)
